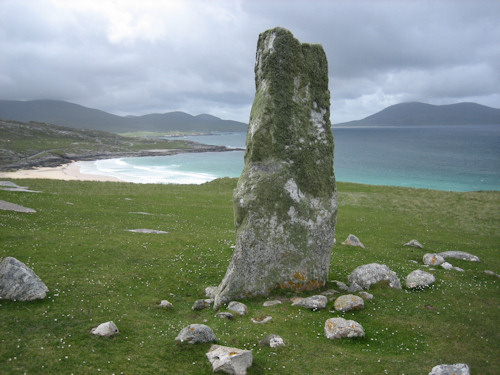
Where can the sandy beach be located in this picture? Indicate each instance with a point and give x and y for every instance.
(67, 172)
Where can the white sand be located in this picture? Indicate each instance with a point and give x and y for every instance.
(67, 172)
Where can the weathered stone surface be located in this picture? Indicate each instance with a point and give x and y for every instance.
(229, 360)
(419, 279)
(105, 329)
(19, 283)
(366, 296)
(456, 369)
(225, 315)
(339, 328)
(165, 303)
(201, 304)
(352, 240)
(314, 302)
(7, 206)
(238, 307)
(349, 302)
(459, 255)
(414, 243)
(342, 286)
(210, 292)
(262, 319)
(446, 266)
(373, 273)
(272, 341)
(195, 333)
(433, 259)
(285, 203)
(271, 303)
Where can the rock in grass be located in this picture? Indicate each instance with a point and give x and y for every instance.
(419, 279)
(459, 255)
(373, 273)
(352, 240)
(446, 266)
(491, 273)
(7, 206)
(210, 292)
(339, 328)
(262, 319)
(414, 243)
(19, 283)
(147, 231)
(165, 303)
(313, 303)
(272, 341)
(201, 304)
(456, 369)
(285, 203)
(342, 286)
(196, 333)
(229, 360)
(224, 315)
(433, 259)
(271, 303)
(238, 307)
(349, 302)
(105, 329)
(366, 296)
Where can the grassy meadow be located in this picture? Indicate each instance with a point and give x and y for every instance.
(97, 271)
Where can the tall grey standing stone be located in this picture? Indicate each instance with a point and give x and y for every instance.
(18, 282)
(285, 203)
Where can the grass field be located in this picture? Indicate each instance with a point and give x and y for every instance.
(97, 271)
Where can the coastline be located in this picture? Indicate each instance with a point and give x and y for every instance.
(66, 172)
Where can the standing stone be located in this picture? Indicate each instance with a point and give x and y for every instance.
(285, 203)
(18, 282)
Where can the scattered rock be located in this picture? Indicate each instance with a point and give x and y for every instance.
(446, 266)
(271, 303)
(105, 329)
(19, 283)
(366, 296)
(456, 369)
(272, 341)
(414, 243)
(352, 240)
(285, 203)
(201, 304)
(224, 315)
(338, 328)
(229, 360)
(210, 291)
(342, 286)
(459, 255)
(314, 302)
(488, 272)
(140, 213)
(373, 273)
(153, 231)
(7, 206)
(330, 292)
(238, 307)
(262, 319)
(195, 333)
(349, 302)
(419, 279)
(433, 259)
(458, 269)
(165, 303)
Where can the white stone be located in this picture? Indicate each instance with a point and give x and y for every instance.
(349, 302)
(210, 291)
(419, 279)
(446, 266)
(314, 302)
(272, 341)
(373, 273)
(366, 296)
(229, 360)
(338, 328)
(18, 282)
(224, 315)
(433, 259)
(352, 240)
(456, 369)
(105, 329)
(196, 333)
(165, 303)
(238, 307)
(459, 255)
(271, 303)
(262, 320)
(414, 243)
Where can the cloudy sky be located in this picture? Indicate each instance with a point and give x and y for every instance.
(145, 56)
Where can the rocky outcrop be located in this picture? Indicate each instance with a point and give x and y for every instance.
(229, 360)
(285, 202)
(19, 283)
(368, 274)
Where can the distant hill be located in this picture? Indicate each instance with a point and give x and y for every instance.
(427, 114)
(76, 116)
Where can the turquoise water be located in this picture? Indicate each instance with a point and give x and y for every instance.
(459, 158)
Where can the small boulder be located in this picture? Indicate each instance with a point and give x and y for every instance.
(229, 360)
(352, 240)
(342, 286)
(373, 273)
(195, 333)
(433, 259)
(419, 279)
(262, 319)
(201, 304)
(271, 303)
(414, 243)
(224, 315)
(339, 328)
(459, 255)
(105, 329)
(272, 341)
(446, 266)
(456, 369)
(491, 273)
(19, 283)
(366, 296)
(349, 302)
(165, 303)
(314, 302)
(238, 307)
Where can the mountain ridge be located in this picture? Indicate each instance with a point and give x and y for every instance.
(64, 113)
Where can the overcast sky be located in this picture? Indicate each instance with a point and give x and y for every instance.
(146, 56)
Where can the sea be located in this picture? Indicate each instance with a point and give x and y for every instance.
(450, 158)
